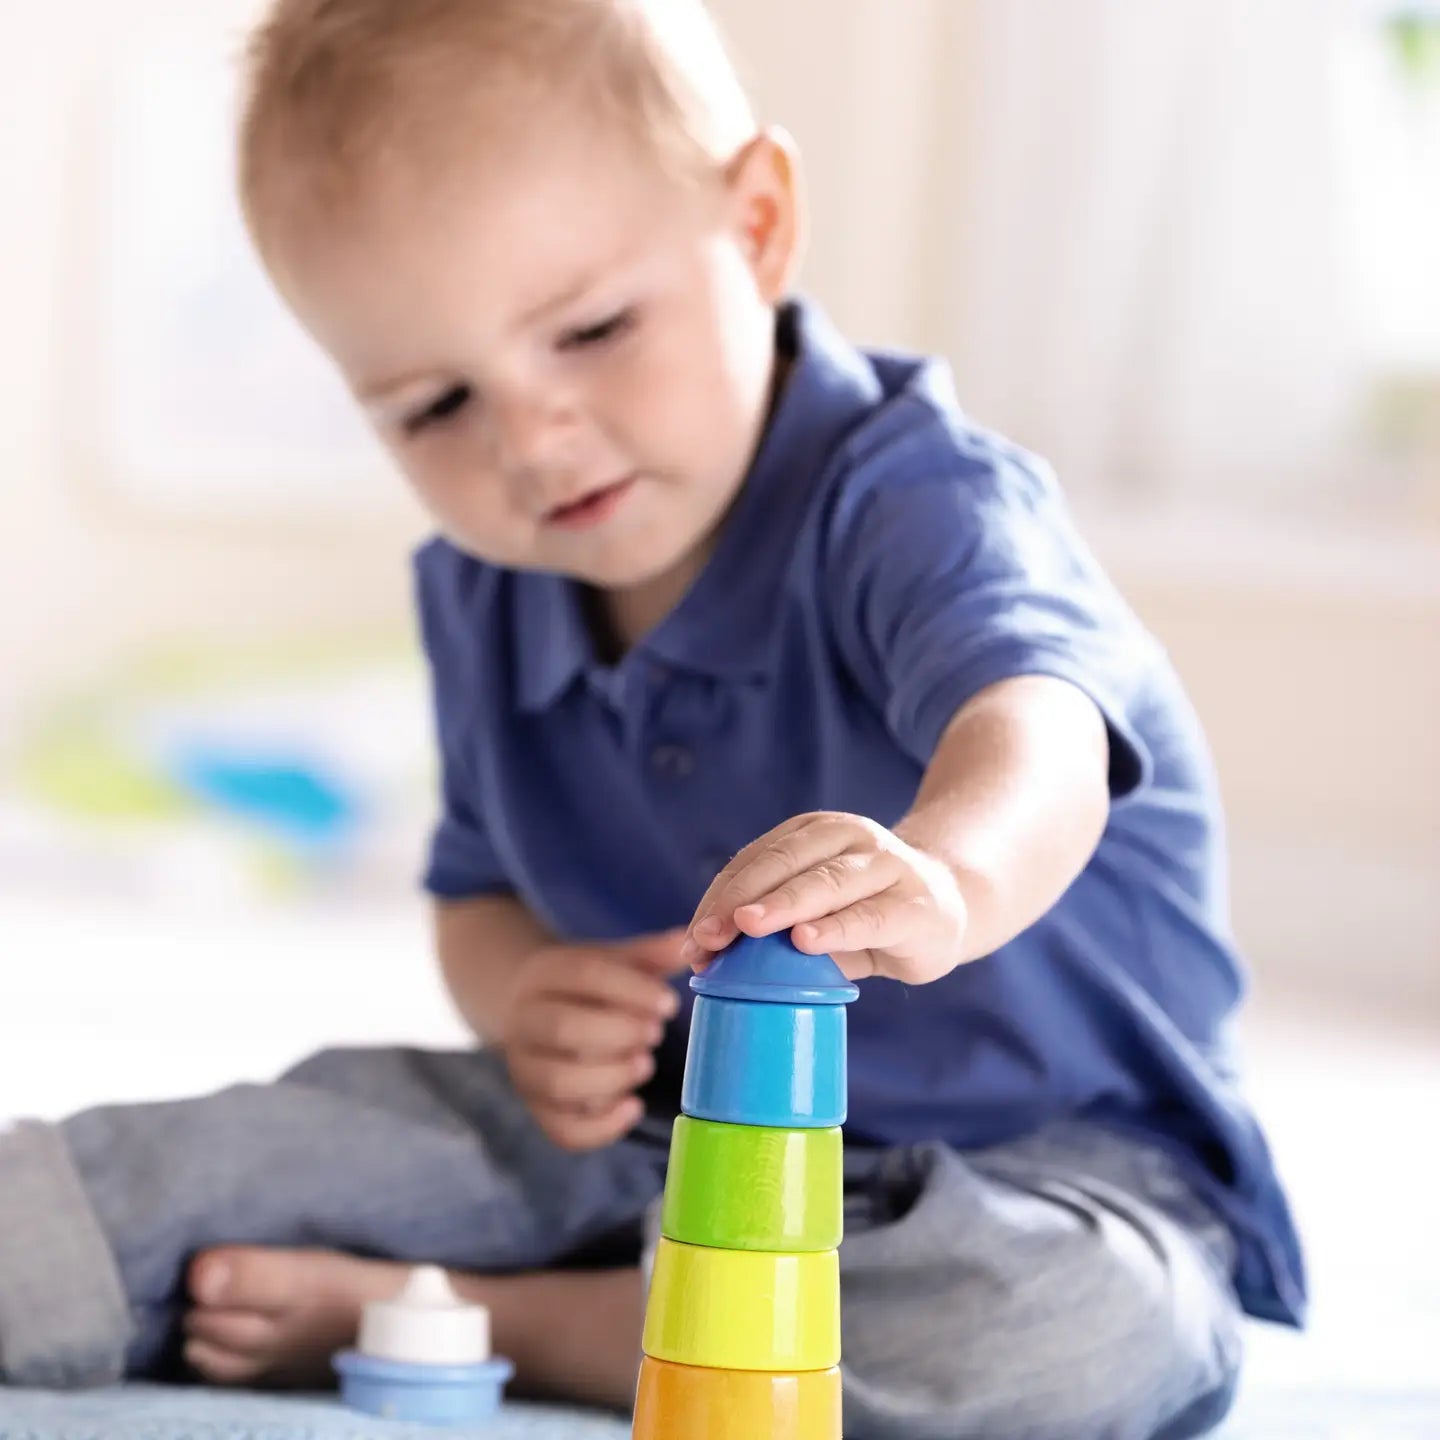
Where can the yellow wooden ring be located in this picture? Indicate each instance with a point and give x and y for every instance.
(744, 1309)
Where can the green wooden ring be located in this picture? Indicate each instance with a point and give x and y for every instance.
(749, 1187)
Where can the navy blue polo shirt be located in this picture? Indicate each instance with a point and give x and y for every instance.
(885, 561)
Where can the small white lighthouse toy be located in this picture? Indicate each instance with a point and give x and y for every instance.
(424, 1356)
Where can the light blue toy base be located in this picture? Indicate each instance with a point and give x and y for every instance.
(771, 969)
(422, 1394)
(757, 1064)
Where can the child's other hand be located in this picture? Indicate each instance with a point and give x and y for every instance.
(581, 1030)
(843, 886)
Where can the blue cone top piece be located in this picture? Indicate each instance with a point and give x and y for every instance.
(772, 970)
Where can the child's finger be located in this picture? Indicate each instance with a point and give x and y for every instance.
(763, 866)
(855, 964)
(708, 902)
(600, 979)
(584, 1032)
(658, 953)
(828, 888)
(875, 922)
(558, 1081)
(577, 1131)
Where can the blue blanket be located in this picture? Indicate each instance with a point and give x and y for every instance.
(141, 1412)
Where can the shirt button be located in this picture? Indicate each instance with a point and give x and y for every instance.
(672, 762)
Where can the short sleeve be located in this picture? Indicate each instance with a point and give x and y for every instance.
(462, 861)
(960, 568)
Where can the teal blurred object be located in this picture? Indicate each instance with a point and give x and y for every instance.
(295, 798)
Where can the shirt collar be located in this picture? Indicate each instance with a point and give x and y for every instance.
(723, 625)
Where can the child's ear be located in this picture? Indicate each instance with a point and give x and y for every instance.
(768, 207)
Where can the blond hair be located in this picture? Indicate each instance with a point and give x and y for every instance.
(336, 87)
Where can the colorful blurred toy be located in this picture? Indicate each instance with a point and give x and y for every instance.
(742, 1327)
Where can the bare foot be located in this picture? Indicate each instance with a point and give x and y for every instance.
(275, 1317)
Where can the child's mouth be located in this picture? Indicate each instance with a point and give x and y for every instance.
(592, 509)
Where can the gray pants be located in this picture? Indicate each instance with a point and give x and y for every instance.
(1067, 1286)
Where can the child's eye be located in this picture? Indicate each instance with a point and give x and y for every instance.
(451, 402)
(607, 329)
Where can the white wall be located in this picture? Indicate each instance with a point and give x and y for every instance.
(1315, 665)
(87, 575)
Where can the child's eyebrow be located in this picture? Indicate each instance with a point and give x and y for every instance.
(620, 260)
(373, 392)
(576, 290)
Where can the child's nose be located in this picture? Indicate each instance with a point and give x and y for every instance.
(535, 438)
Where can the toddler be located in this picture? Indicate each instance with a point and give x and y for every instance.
(733, 628)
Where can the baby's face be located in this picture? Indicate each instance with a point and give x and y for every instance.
(567, 351)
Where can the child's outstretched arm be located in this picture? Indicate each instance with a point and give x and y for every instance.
(1012, 805)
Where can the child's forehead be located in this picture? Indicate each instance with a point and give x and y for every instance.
(556, 182)
(566, 209)
(502, 241)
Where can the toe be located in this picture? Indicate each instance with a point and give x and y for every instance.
(244, 1277)
(208, 1278)
(221, 1366)
(245, 1332)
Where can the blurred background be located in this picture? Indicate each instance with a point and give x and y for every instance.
(1190, 252)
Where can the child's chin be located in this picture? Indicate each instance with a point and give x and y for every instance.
(620, 577)
(635, 568)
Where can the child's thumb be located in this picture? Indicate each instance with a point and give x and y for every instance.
(661, 952)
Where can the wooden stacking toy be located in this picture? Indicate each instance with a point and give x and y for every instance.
(742, 1327)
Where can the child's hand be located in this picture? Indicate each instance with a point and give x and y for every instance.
(844, 886)
(581, 1029)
